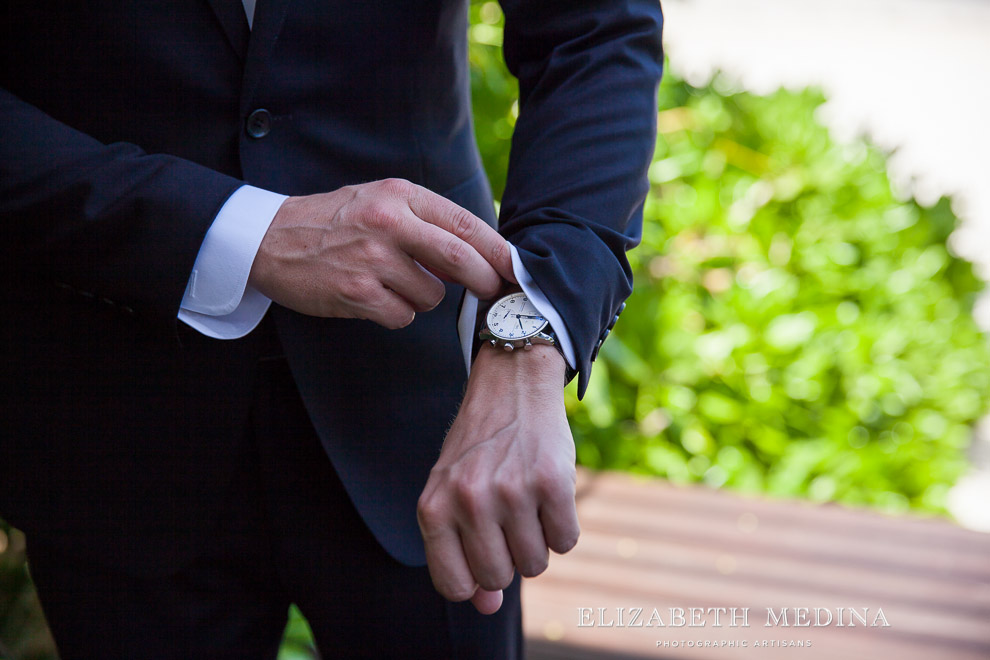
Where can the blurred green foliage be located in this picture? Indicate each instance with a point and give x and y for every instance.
(795, 328)
(297, 641)
(494, 92)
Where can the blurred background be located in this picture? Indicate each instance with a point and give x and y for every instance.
(807, 326)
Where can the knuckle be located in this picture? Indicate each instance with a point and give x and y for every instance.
(374, 253)
(534, 567)
(397, 187)
(458, 593)
(430, 514)
(382, 215)
(352, 288)
(463, 223)
(554, 479)
(510, 492)
(432, 296)
(455, 253)
(498, 579)
(471, 498)
(547, 480)
(566, 542)
(366, 288)
(500, 252)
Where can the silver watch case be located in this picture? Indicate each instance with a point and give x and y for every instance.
(525, 343)
(542, 335)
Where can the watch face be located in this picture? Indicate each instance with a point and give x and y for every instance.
(514, 317)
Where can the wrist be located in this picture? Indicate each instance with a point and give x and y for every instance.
(512, 323)
(539, 367)
(264, 270)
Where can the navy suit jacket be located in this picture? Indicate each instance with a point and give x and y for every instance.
(123, 133)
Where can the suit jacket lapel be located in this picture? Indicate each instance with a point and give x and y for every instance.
(269, 16)
(232, 19)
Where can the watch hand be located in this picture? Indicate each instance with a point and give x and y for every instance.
(530, 316)
(520, 322)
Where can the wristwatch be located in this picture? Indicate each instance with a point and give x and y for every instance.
(513, 322)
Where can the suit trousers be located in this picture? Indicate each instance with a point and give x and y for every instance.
(288, 533)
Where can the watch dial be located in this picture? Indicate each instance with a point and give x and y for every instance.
(514, 317)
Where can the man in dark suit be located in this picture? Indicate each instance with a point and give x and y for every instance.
(182, 352)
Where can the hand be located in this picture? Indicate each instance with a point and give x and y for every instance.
(502, 492)
(376, 251)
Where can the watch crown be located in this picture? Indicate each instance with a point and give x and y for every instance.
(509, 347)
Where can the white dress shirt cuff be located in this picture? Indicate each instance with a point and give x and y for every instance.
(469, 313)
(218, 301)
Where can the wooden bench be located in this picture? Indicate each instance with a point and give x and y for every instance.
(650, 545)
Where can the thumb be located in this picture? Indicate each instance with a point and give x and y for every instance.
(487, 602)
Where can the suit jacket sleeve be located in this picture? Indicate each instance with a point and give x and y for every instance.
(107, 221)
(588, 72)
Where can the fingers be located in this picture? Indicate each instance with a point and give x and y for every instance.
(463, 561)
(525, 537)
(448, 564)
(560, 526)
(461, 223)
(445, 557)
(376, 251)
(420, 289)
(441, 251)
(475, 543)
(488, 556)
(386, 308)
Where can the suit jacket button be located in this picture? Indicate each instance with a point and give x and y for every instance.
(259, 123)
